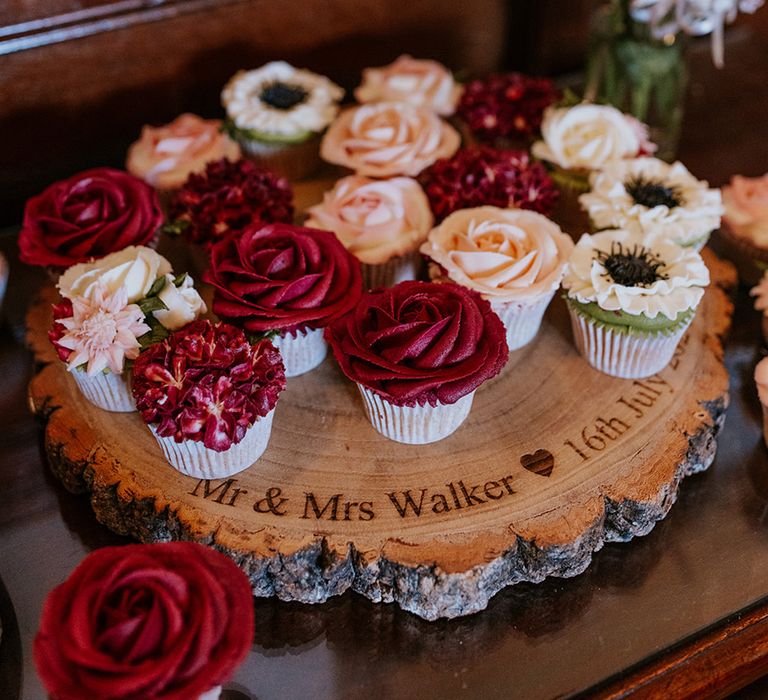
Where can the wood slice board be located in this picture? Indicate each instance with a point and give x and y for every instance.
(554, 460)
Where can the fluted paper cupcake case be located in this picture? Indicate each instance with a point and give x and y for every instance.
(521, 320)
(622, 354)
(107, 390)
(295, 161)
(302, 351)
(415, 425)
(212, 694)
(194, 459)
(398, 269)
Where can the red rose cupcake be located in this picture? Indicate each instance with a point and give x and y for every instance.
(153, 621)
(290, 279)
(417, 352)
(208, 396)
(86, 216)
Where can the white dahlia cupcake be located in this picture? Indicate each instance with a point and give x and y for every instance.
(631, 300)
(277, 112)
(208, 396)
(656, 197)
(381, 222)
(513, 258)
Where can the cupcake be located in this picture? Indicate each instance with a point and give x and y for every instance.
(422, 83)
(481, 175)
(656, 197)
(760, 292)
(745, 225)
(165, 156)
(112, 308)
(418, 352)
(285, 280)
(761, 380)
(277, 113)
(631, 300)
(88, 215)
(208, 396)
(167, 621)
(384, 139)
(381, 222)
(514, 259)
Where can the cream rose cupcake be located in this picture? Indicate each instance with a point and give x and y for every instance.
(384, 139)
(381, 222)
(658, 198)
(419, 82)
(745, 225)
(165, 156)
(277, 113)
(631, 300)
(514, 258)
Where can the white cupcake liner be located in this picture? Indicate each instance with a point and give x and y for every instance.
(415, 425)
(398, 269)
(107, 390)
(194, 459)
(212, 694)
(522, 320)
(625, 355)
(301, 351)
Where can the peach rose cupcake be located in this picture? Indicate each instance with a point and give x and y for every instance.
(514, 258)
(384, 139)
(744, 227)
(381, 222)
(165, 156)
(422, 83)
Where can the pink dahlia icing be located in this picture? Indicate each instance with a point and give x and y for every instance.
(165, 156)
(207, 383)
(746, 207)
(761, 380)
(375, 219)
(383, 139)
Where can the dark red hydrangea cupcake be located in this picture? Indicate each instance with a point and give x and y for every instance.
(153, 621)
(484, 176)
(418, 351)
(506, 108)
(291, 279)
(227, 198)
(86, 216)
(208, 396)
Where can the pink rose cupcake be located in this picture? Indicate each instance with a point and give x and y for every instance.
(513, 258)
(284, 278)
(418, 352)
(744, 227)
(419, 82)
(381, 222)
(208, 396)
(383, 139)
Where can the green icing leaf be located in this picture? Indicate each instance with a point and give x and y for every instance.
(180, 279)
(175, 228)
(150, 304)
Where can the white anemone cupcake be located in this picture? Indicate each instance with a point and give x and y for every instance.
(514, 258)
(381, 222)
(277, 113)
(631, 300)
(659, 198)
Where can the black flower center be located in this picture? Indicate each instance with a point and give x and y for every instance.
(635, 267)
(282, 95)
(652, 193)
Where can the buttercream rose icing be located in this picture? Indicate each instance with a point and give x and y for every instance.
(586, 136)
(504, 254)
(383, 139)
(746, 207)
(165, 156)
(420, 82)
(680, 274)
(655, 196)
(376, 220)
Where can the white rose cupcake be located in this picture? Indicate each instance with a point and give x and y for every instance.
(631, 300)
(514, 258)
(277, 112)
(381, 222)
(658, 198)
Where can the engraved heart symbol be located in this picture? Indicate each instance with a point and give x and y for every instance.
(540, 462)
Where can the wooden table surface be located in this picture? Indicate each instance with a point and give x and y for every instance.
(681, 612)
